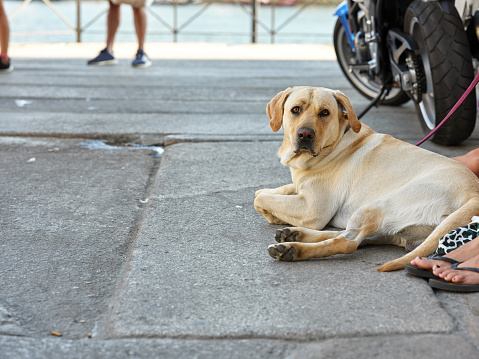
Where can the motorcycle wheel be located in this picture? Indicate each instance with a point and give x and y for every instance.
(361, 80)
(447, 67)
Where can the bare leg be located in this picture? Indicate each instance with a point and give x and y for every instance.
(470, 160)
(139, 15)
(112, 24)
(4, 33)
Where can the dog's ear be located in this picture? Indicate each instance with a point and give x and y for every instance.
(275, 109)
(350, 114)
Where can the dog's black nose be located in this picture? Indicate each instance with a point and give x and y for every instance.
(305, 133)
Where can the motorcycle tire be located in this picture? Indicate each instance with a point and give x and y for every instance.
(366, 85)
(447, 66)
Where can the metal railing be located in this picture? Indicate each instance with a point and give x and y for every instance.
(252, 9)
(74, 29)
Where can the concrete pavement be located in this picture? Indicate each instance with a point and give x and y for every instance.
(131, 252)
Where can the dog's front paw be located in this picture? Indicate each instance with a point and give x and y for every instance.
(269, 217)
(264, 190)
(283, 252)
(257, 193)
(286, 235)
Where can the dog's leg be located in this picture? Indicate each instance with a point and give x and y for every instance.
(294, 209)
(296, 251)
(304, 235)
(284, 190)
(364, 223)
(282, 209)
(262, 197)
(269, 216)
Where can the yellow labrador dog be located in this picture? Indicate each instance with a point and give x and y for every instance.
(378, 189)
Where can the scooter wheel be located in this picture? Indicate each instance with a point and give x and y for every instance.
(447, 67)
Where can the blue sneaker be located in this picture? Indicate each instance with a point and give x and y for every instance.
(103, 58)
(141, 60)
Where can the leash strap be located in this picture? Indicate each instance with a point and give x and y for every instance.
(458, 103)
(374, 101)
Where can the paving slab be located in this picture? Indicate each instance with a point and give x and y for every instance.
(18, 347)
(206, 273)
(67, 218)
(400, 347)
(465, 308)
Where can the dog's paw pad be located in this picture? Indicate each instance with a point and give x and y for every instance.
(273, 252)
(281, 252)
(286, 235)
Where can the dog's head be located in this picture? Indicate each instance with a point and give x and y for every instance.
(314, 120)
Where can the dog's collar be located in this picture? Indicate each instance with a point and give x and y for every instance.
(347, 128)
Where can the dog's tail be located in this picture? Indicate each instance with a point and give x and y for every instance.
(456, 219)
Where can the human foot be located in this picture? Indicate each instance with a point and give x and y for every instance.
(5, 65)
(429, 262)
(462, 277)
(463, 273)
(422, 267)
(460, 254)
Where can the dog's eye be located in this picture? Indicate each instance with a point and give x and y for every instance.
(295, 109)
(324, 113)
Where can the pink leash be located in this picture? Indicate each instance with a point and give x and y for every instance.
(459, 103)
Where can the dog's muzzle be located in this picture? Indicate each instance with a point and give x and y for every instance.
(305, 140)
